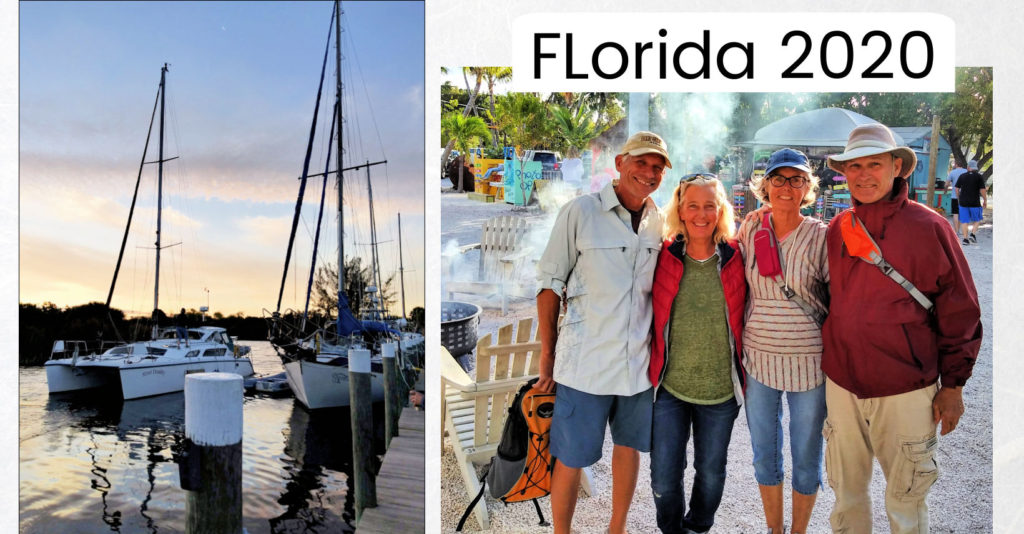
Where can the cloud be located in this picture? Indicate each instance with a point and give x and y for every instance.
(62, 272)
(264, 230)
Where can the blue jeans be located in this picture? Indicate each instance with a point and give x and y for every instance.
(712, 430)
(764, 419)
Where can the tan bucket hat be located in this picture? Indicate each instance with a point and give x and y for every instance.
(871, 139)
(642, 143)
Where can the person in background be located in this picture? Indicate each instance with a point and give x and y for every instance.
(181, 327)
(970, 189)
(601, 257)
(954, 205)
(894, 368)
(699, 294)
(782, 341)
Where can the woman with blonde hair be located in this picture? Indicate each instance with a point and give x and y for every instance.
(788, 286)
(698, 294)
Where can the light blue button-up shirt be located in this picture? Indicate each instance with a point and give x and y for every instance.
(606, 271)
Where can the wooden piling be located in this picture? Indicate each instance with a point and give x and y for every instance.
(361, 414)
(213, 426)
(393, 401)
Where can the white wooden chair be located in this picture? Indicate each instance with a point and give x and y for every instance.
(502, 253)
(474, 409)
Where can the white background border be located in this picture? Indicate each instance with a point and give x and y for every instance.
(467, 32)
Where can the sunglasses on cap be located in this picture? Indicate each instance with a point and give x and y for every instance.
(779, 180)
(698, 175)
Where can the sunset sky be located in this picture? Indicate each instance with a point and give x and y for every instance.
(241, 89)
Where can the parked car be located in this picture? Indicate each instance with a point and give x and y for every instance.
(551, 163)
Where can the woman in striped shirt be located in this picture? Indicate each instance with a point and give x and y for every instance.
(782, 339)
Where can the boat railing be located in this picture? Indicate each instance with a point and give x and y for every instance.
(68, 348)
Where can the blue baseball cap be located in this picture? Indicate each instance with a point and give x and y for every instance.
(787, 157)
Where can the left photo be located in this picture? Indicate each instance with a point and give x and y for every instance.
(221, 258)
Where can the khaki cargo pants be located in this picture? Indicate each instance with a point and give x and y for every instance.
(898, 430)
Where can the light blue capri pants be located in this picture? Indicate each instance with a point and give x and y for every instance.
(763, 407)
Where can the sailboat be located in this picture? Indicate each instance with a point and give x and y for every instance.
(316, 364)
(159, 365)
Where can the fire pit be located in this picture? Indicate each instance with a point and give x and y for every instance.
(458, 326)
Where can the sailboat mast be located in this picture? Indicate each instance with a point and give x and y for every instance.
(401, 264)
(375, 268)
(341, 125)
(159, 199)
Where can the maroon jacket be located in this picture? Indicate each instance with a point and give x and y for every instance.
(878, 340)
(667, 275)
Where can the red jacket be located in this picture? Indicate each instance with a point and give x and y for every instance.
(667, 275)
(878, 341)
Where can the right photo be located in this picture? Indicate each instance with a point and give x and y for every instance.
(715, 312)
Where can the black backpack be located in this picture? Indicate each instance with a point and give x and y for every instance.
(521, 468)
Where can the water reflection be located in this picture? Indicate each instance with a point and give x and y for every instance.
(318, 447)
(100, 464)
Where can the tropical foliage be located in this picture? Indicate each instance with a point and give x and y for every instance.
(562, 121)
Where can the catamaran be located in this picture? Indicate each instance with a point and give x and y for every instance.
(159, 365)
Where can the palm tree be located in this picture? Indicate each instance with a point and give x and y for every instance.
(494, 75)
(464, 133)
(478, 73)
(574, 127)
(522, 116)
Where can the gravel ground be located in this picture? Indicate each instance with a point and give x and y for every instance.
(964, 457)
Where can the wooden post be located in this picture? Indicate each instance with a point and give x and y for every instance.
(933, 154)
(393, 401)
(213, 428)
(361, 414)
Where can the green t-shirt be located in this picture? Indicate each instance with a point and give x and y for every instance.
(698, 366)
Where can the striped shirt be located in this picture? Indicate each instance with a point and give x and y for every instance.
(781, 344)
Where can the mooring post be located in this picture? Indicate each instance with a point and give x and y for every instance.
(213, 432)
(361, 414)
(393, 401)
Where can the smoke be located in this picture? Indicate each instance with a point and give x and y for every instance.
(455, 264)
(555, 195)
(695, 127)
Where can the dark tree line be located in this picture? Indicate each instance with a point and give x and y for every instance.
(40, 326)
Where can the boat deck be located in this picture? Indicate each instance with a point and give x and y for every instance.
(400, 482)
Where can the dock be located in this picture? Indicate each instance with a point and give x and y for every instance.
(400, 483)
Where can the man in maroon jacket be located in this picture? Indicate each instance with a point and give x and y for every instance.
(894, 368)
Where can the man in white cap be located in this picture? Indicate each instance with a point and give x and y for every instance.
(600, 259)
(894, 368)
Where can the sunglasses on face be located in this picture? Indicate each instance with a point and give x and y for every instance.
(698, 175)
(779, 180)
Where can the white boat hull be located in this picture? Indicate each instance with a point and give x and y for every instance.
(136, 380)
(62, 378)
(318, 385)
(139, 381)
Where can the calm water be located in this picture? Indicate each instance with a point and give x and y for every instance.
(92, 465)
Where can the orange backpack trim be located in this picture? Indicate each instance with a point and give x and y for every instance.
(537, 409)
(860, 244)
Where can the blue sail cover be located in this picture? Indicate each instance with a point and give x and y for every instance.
(348, 324)
(377, 327)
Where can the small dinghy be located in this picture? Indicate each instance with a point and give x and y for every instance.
(269, 385)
